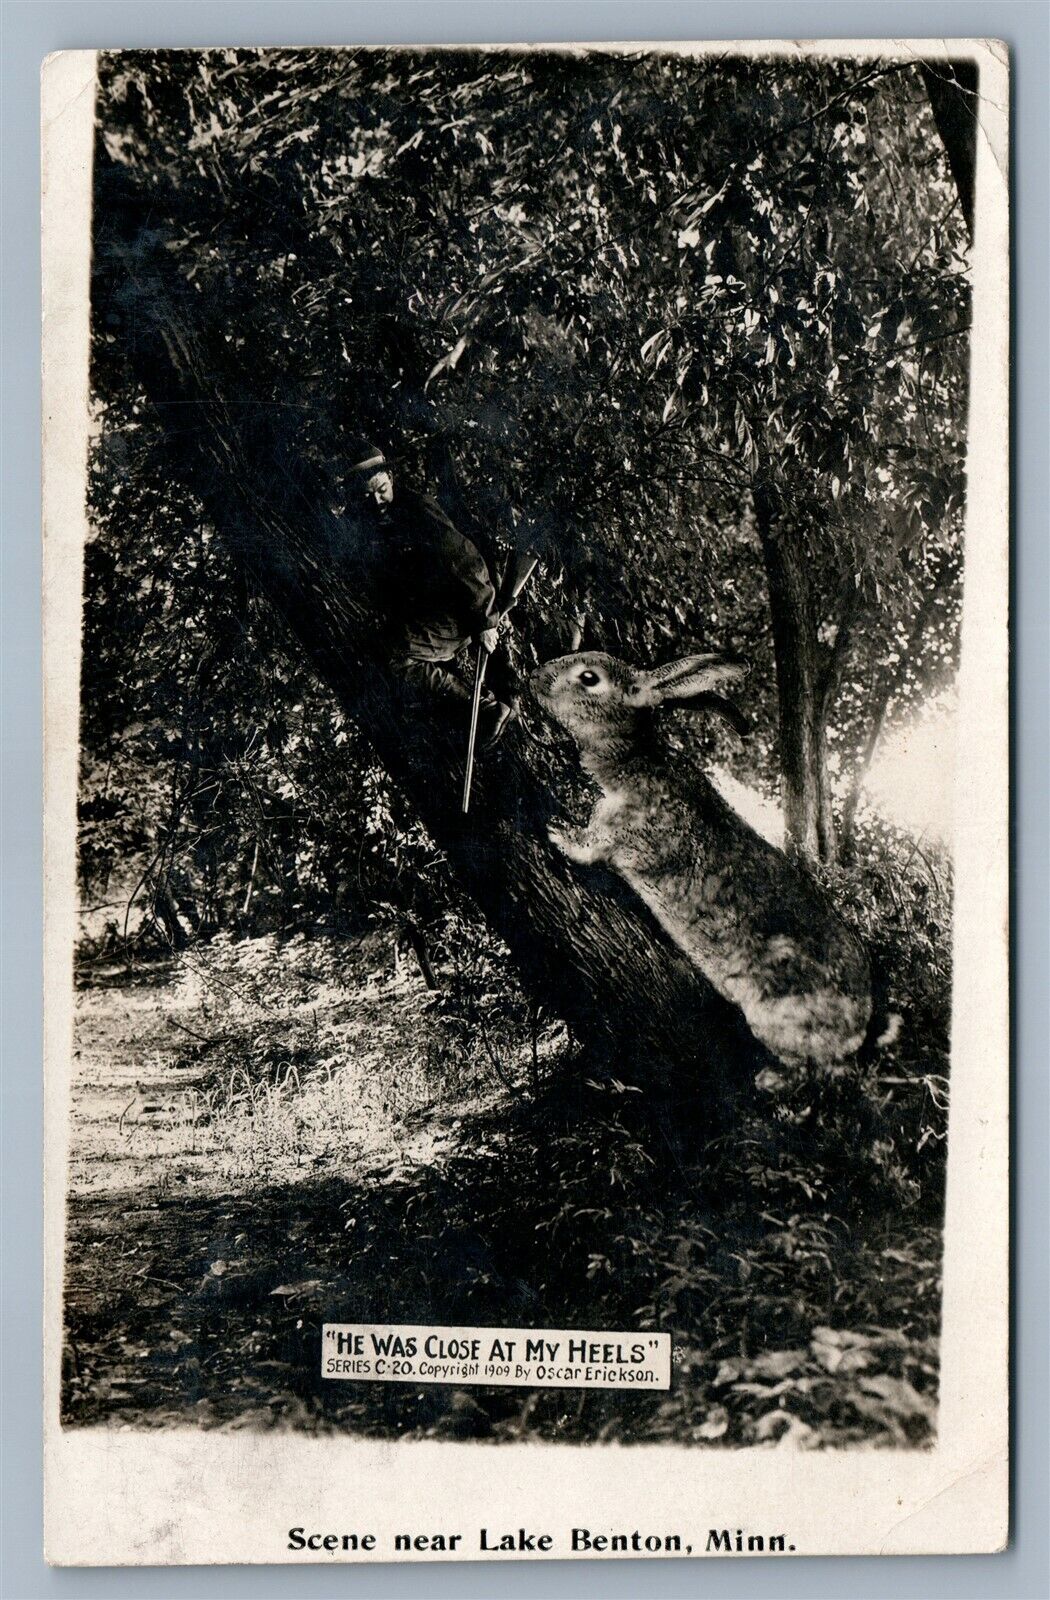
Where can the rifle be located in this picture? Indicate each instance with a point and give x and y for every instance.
(519, 571)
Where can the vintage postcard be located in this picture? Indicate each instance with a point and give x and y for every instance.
(526, 549)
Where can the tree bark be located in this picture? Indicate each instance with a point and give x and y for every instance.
(801, 698)
(585, 946)
(952, 88)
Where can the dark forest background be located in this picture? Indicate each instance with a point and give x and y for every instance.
(695, 332)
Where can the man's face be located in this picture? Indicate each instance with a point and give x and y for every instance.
(379, 488)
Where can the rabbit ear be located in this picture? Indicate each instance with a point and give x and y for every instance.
(721, 706)
(686, 679)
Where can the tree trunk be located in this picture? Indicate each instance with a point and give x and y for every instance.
(585, 946)
(418, 946)
(952, 88)
(801, 697)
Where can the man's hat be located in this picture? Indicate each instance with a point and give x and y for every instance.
(364, 456)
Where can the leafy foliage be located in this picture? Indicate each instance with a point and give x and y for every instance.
(695, 330)
(599, 302)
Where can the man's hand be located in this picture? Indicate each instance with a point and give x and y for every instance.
(487, 640)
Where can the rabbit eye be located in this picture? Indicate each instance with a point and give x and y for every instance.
(589, 678)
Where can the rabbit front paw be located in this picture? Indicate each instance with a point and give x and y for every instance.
(576, 846)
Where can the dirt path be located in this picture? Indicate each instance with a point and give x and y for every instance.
(163, 1098)
(233, 1170)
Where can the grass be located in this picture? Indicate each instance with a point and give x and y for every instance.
(269, 1135)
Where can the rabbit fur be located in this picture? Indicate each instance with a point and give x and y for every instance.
(754, 923)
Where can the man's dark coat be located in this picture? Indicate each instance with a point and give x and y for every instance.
(429, 584)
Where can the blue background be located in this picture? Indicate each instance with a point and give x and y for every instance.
(30, 31)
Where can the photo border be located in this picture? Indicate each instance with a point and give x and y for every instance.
(701, 23)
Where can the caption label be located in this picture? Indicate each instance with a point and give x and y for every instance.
(529, 1358)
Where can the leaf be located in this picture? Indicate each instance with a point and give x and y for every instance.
(799, 1435)
(411, 143)
(900, 1396)
(448, 361)
(296, 1291)
(714, 199)
(714, 1425)
(778, 1363)
(841, 1350)
(771, 1425)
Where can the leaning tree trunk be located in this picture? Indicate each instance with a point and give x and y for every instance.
(584, 945)
(801, 698)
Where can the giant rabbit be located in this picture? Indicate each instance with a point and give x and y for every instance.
(755, 924)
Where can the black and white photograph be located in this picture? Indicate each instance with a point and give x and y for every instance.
(518, 744)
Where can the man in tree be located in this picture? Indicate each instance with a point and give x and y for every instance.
(429, 584)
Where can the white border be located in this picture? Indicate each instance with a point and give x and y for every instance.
(181, 1496)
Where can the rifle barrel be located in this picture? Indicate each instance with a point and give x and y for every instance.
(515, 578)
(519, 571)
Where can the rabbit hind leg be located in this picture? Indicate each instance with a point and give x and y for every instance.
(819, 1029)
